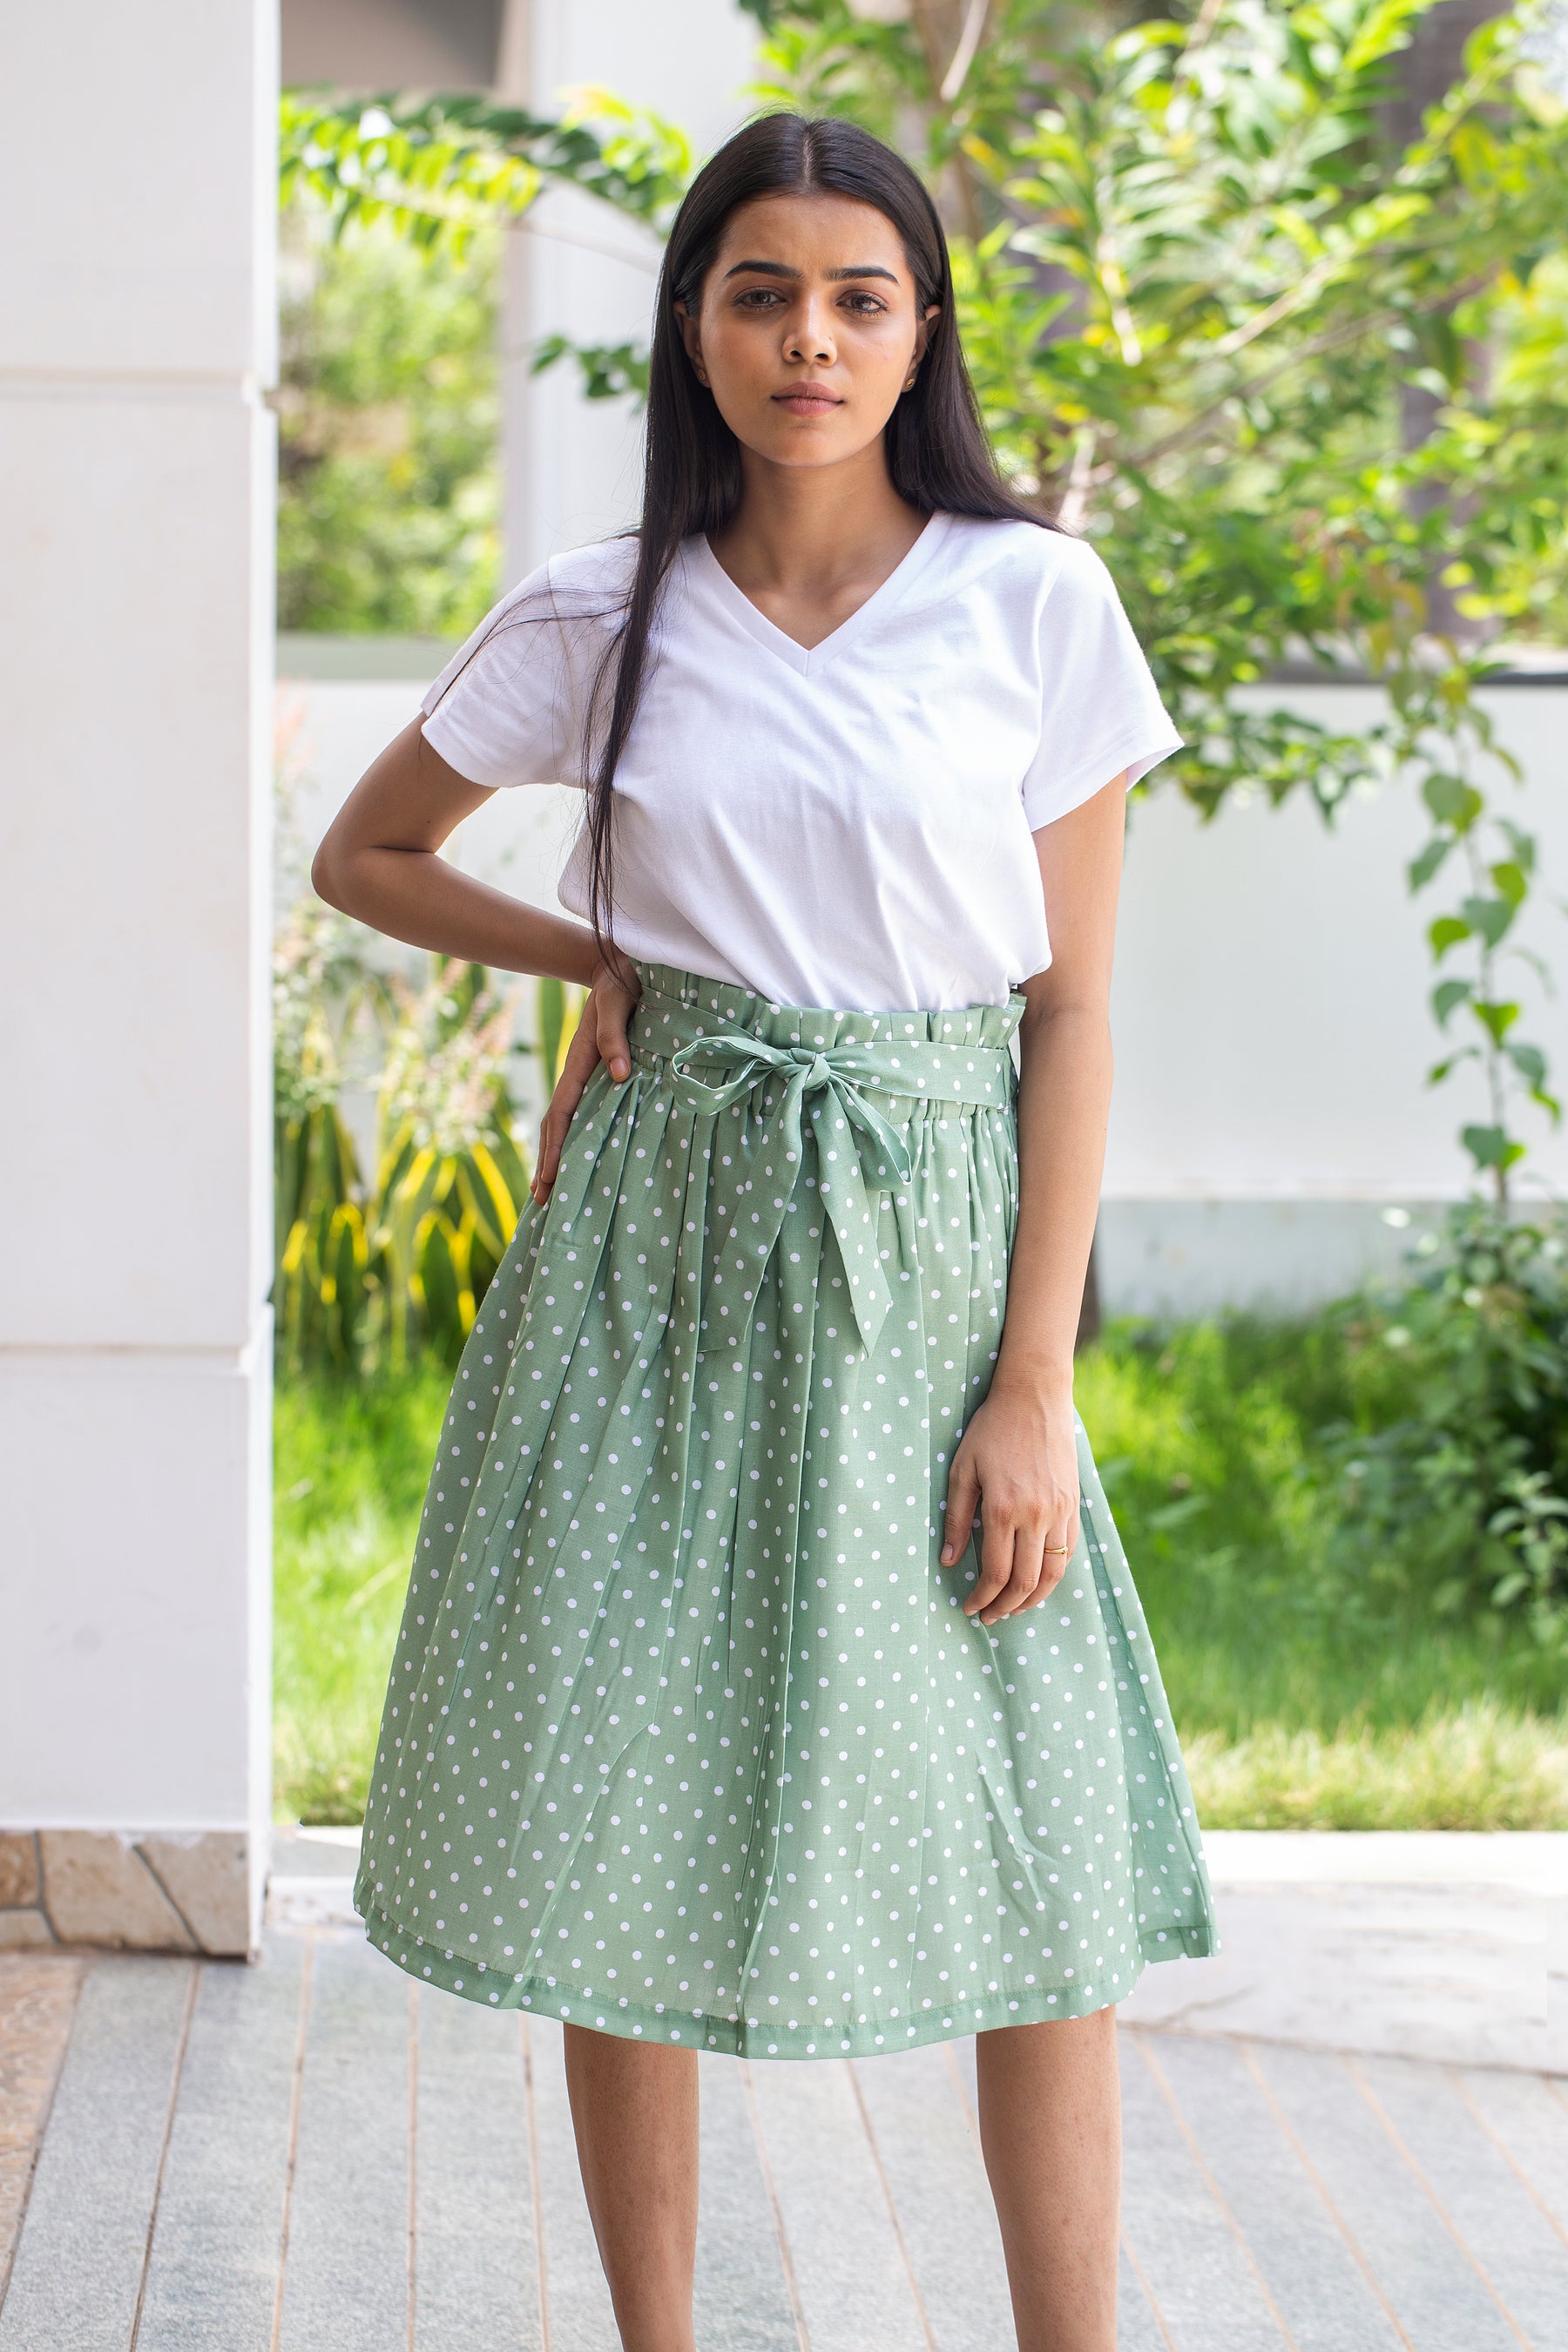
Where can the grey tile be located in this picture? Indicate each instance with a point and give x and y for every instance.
(742, 2300)
(1138, 2327)
(920, 2118)
(1321, 2290)
(1434, 2294)
(78, 2267)
(1493, 2147)
(1196, 2268)
(213, 2277)
(853, 2288)
(1520, 2253)
(345, 2286)
(1529, 2116)
(581, 2317)
(475, 2271)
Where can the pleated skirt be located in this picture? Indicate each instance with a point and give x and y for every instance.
(687, 1736)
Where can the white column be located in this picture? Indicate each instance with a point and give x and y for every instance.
(573, 467)
(136, 471)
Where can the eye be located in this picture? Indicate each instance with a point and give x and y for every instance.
(757, 298)
(863, 305)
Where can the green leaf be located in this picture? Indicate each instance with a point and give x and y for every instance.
(1446, 932)
(1452, 801)
(552, 1023)
(547, 350)
(1445, 996)
(1421, 870)
(1529, 1062)
(1489, 917)
(1521, 843)
(1491, 1147)
(1495, 1019)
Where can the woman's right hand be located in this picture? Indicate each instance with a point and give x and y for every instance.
(600, 1036)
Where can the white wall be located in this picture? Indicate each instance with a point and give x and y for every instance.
(1270, 1136)
(574, 268)
(1272, 987)
(135, 605)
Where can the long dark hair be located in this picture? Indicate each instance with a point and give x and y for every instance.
(938, 456)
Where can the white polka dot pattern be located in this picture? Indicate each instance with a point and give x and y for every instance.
(687, 1735)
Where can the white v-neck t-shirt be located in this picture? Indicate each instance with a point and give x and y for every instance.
(846, 826)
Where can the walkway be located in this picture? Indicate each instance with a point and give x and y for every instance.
(313, 2155)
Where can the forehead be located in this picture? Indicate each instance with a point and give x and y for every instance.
(811, 233)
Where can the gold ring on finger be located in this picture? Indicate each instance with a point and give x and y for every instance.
(1058, 1547)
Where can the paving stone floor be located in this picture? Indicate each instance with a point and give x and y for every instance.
(313, 2155)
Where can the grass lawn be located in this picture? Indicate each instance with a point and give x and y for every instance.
(1305, 1698)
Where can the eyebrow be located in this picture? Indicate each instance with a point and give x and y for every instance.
(782, 270)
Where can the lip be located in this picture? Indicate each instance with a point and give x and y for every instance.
(807, 398)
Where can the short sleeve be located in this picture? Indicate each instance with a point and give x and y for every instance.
(510, 706)
(1101, 710)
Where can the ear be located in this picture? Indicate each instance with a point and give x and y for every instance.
(692, 336)
(924, 328)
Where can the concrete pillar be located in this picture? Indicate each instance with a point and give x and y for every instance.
(573, 467)
(136, 471)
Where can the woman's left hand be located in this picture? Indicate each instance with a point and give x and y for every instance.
(1018, 1461)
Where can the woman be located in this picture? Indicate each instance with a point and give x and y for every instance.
(771, 1680)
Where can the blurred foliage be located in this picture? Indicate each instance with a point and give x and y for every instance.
(389, 486)
(1453, 1468)
(559, 1002)
(1398, 1460)
(373, 1266)
(441, 170)
(389, 491)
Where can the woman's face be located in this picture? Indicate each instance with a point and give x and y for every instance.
(808, 330)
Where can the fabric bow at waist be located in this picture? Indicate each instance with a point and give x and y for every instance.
(859, 1151)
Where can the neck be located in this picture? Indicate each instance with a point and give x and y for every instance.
(807, 529)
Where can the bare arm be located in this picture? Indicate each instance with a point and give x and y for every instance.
(378, 862)
(1019, 1454)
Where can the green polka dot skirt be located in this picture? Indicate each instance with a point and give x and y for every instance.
(687, 1735)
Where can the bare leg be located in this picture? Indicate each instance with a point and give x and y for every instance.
(633, 2108)
(1050, 2125)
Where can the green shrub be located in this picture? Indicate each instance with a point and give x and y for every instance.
(1453, 1466)
(372, 1270)
(1272, 1602)
(389, 480)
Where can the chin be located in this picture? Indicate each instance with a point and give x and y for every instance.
(806, 441)
(806, 461)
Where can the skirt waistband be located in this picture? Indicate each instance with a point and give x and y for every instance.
(960, 1056)
(809, 1083)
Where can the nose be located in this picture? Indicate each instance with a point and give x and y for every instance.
(810, 333)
